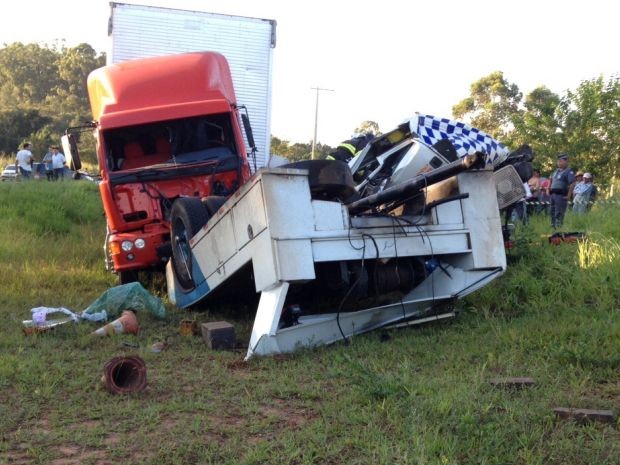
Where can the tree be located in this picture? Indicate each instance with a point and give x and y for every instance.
(368, 126)
(70, 99)
(18, 126)
(491, 106)
(590, 120)
(28, 74)
(539, 127)
(43, 90)
(298, 151)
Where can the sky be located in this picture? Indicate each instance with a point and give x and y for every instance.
(383, 60)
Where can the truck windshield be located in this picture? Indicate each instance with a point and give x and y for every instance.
(182, 141)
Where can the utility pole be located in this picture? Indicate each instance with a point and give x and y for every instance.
(316, 117)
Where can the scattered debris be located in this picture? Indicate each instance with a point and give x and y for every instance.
(219, 335)
(40, 322)
(122, 375)
(132, 295)
(159, 347)
(126, 323)
(585, 415)
(188, 327)
(568, 238)
(512, 383)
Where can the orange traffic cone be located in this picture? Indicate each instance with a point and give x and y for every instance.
(126, 323)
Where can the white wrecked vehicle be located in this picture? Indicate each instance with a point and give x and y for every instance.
(335, 250)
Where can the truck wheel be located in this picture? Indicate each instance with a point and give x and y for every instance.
(187, 216)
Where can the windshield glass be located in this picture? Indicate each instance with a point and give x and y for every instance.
(183, 141)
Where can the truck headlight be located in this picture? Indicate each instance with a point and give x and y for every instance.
(139, 243)
(126, 245)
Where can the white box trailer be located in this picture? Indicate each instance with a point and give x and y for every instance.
(139, 31)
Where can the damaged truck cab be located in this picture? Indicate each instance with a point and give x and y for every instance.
(166, 128)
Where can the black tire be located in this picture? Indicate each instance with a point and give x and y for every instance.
(328, 179)
(213, 203)
(187, 216)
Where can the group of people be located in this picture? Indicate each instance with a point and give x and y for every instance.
(561, 188)
(54, 162)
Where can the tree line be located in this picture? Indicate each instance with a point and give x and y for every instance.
(43, 91)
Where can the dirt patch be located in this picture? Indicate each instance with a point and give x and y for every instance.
(16, 458)
(84, 425)
(287, 413)
(112, 439)
(70, 454)
(41, 427)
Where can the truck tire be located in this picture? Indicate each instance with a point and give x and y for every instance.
(328, 179)
(187, 216)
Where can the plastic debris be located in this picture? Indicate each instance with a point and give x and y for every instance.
(40, 321)
(126, 323)
(125, 296)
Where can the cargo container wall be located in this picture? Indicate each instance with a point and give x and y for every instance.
(138, 31)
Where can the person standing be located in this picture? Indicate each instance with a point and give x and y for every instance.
(571, 189)
(561, 179)
(24, 160)
(58, 163)
(49, 167)
(584, 194)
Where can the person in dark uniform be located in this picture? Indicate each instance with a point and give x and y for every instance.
(561, 180)
(349, 148)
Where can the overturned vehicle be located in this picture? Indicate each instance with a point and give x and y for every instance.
(395, 237)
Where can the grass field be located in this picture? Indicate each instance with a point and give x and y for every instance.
(409, 396)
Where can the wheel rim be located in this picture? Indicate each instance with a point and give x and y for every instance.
(182, 259)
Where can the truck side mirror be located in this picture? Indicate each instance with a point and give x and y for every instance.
(248, 130)
(70, 149)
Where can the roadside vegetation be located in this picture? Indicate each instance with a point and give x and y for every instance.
(419, 395)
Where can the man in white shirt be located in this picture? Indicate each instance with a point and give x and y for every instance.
(58, 163)
(23, 161)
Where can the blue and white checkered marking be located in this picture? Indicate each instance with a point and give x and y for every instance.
(466, 139)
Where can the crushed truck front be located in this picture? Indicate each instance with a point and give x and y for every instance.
(166, 127)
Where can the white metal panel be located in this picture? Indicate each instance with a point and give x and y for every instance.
(482, 218)
(294, 260)
(138, 31)
(249, 216)
(217, 247)
(326, 216)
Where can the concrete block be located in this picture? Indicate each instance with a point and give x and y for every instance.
(219, 335)
(583, 415)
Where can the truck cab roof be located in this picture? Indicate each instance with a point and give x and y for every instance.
(160, 88)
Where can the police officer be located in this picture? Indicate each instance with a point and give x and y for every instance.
(561, 180)
(349, 148)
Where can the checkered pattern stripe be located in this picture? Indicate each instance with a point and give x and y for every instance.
(466, 139)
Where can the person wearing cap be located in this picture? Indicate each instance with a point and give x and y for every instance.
(571, 189)
(58, 163)
(561, 179)
(584, 194)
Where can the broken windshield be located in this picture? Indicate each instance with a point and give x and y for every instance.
(183, 141)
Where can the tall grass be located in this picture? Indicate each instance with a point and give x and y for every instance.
(417, 396)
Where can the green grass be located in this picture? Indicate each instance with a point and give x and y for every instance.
(421, 397)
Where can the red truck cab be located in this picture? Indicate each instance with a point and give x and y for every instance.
(166, 128)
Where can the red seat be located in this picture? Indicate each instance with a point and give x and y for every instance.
(134, 156)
